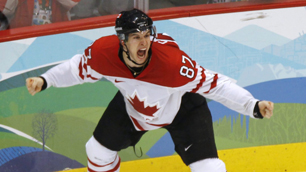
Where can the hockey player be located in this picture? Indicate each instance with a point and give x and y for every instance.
(159, 86)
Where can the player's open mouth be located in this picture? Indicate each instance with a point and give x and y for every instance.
(141, 52)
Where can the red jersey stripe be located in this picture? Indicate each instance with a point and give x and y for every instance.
(111, 170)
(81, 70)
(91, 170)
(201, 81)
(116, 167)
(93, 78)
(158, 125)
(96, 165)
(213, 84)
(137, 124)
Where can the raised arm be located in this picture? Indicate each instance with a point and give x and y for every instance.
(72, 72)
(219, 88)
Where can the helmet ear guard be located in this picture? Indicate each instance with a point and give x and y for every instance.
(121, 36)
(154, 32)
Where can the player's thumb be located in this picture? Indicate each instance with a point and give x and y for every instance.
(29, 82)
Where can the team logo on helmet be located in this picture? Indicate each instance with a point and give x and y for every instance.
(142, 24)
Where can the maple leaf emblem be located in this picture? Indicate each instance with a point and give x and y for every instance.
(140, 106)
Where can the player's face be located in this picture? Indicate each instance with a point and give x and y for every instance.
(139, 45)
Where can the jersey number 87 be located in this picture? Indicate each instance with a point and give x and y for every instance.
(186, 71)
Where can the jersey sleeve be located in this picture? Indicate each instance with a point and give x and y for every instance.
(164, 38)
(72, 72)
(217, 87)
(221, 89)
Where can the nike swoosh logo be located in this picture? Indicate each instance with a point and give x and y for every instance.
(117, 81)
(188, 147)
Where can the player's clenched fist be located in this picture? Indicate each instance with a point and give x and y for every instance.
(266, 108)
(34, 85)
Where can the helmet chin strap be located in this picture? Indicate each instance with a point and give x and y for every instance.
(128, 54)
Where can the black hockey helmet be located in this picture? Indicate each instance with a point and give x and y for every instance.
(133, 21)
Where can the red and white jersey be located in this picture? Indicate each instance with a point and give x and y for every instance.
(153, 98)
